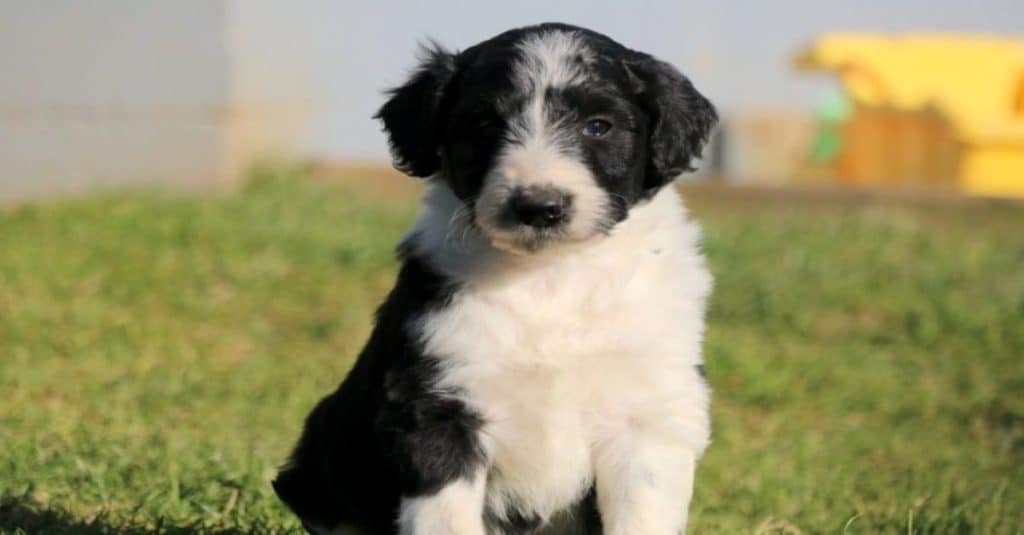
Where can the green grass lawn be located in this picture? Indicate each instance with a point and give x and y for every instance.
(157, 354)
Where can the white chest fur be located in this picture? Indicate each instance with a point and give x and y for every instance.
(563, 352)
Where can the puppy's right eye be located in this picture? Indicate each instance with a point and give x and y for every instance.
(596, 127)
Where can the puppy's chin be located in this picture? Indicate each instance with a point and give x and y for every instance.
(527, 242)
(521, 246)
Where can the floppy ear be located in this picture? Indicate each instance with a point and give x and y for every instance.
(410, 115)
(681, 118)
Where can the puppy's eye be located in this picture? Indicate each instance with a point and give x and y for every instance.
(596, 127)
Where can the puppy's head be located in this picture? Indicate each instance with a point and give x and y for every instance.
(549, 134)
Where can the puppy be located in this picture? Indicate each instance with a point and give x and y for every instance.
(537, 366)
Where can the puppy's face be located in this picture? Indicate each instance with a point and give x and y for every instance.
(548, 134)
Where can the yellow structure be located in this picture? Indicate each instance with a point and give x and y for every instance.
(958, 99)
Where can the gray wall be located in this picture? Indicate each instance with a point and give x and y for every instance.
(115, 92)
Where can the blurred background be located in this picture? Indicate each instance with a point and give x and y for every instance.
(905, 94)
(197, 219)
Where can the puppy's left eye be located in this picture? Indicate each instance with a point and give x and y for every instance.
(596, 127)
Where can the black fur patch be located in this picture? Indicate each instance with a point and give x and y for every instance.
(681, 118)
(515, 522)
(431, 437)
(385, 432)
(411, 114)
(588, 514)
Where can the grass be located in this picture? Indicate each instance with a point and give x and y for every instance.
(157, 353)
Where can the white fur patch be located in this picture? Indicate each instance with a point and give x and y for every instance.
(455, 510)
(582, 360)
(547, 61)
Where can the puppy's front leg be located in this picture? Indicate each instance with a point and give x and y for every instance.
(646, 491)
(645, 474)
(456, 509)
(434, 441)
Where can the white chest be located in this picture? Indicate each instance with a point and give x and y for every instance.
(560, 357)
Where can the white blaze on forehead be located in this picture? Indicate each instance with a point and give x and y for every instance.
(550, 59)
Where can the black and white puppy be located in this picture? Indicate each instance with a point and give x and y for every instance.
(537, 367)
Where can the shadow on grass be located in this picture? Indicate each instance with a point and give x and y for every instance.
(21, 515)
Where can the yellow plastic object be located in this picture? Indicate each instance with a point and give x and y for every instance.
(994, 171)
(975, 83)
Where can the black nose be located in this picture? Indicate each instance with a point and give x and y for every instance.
(540, 207)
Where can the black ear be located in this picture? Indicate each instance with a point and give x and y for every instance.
(410, 116)
(681, 118)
